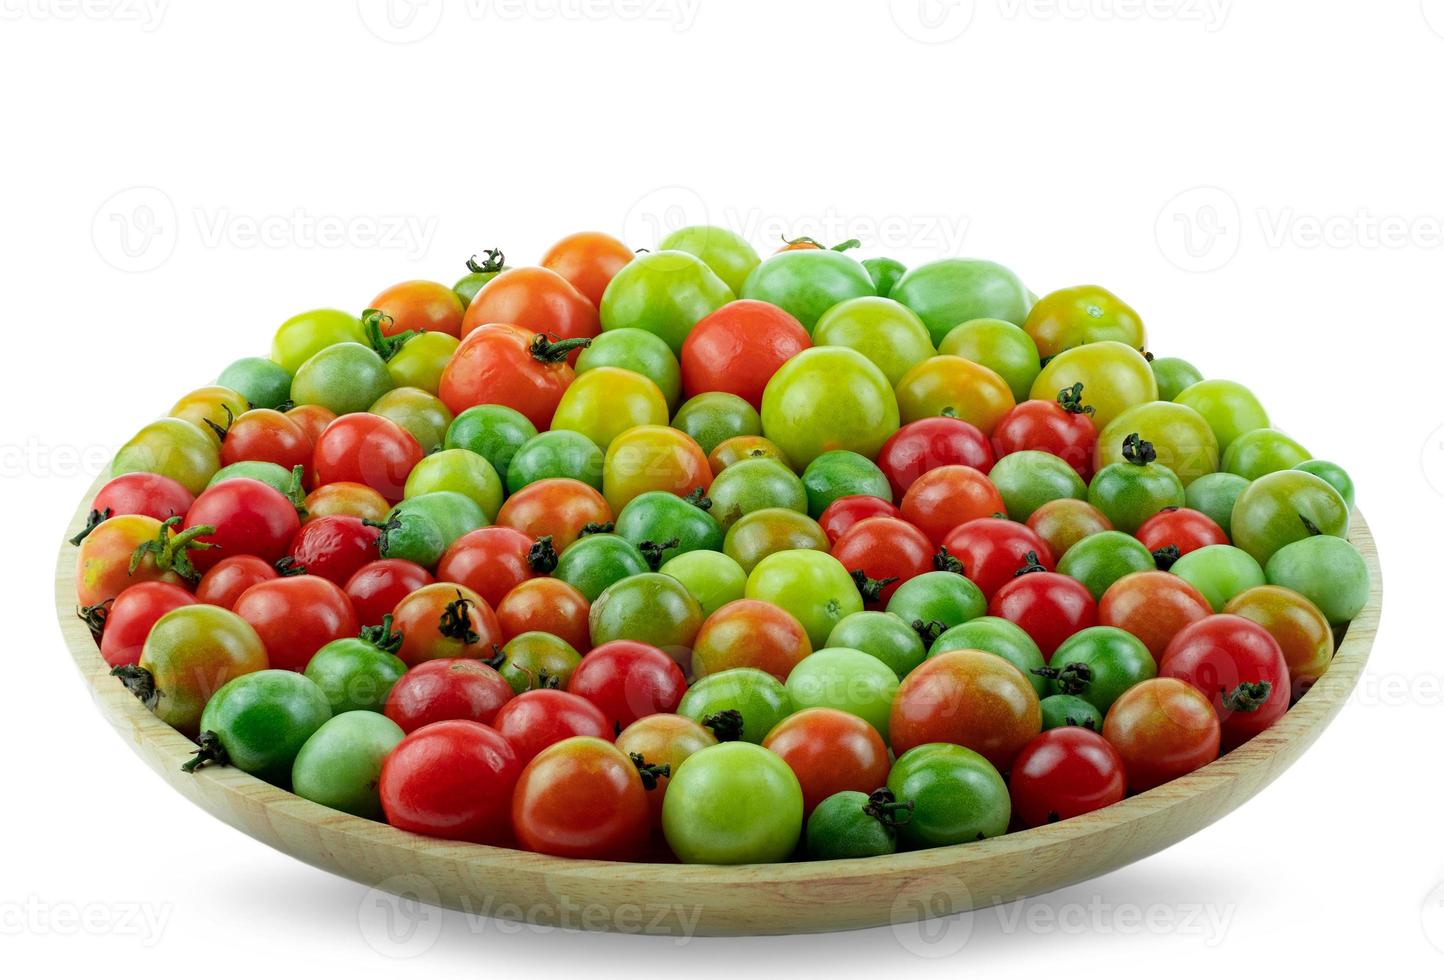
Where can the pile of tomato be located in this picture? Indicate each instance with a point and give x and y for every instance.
(689, 554)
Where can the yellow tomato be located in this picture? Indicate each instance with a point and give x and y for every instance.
(171, 447)
(652, 457)
(1114, 376)
(1082, 315)
(1181, 437)
(213, 403)
(604, 402)
(958, 388)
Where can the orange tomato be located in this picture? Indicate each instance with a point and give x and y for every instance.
(944, 497)
(536, 299)
(738, 448)
(419, 304)
(312, 419)
(954, 387)
(1301, 630)
(102, 569)
(1153, 606)
(557, 508)
(546, 605)
(511, 365)
(344, 497)
(652, 457)
(588, 260)
(444, 621)
(750, 633)
(969, 698)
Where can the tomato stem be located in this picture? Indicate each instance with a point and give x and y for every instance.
(725, 724)
(383, 539)
(698, 498)
(650, 773)
(1165, 557)
(93, 520)
(288, 566)
(140, 682)
(1310, 526)
(456, 621)
(870, 588)
(1138, 451)
(172, 551)
(946, 561)
(1070, 399)
(296, 491)
(494, 262)
(1248, 696)
(595, 527)
(1030, 565)
(208, 750)
(385, 347)
(929, 631)
(652, 551)
(383, 637)
(94, 617)
(887, 809)
(222, 431)
(542, 557)
(1071, 678)
(550, 352)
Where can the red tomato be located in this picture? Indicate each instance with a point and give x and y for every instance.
(556, 507)
(142, 493)
(132, 614)
(1181, 528)
(269, 436)
(943, 498)
(739, 347)
(582, 798)
(355, 499)
(750, 633)
(546, 605)
(419, 305)
(1065, 772)
(368, 449)
(492, 561)
(536, 300)
(535, 719)
(929, 443)
(376, 587)
(969, 698)
(1049, 607)
(628, 680)
(249, 518)
(993, 549)
(1063, 428)
(1153, 606)
(229, 577)
(296, 616)
(844, 512)
(444, 621)
(334, 547)
(503, 364)
(453, 780)
(588, 260)
(1236, 664)
(887, 551)
(829, 751)
(1162, 728)
(312, 419)
(446, 690)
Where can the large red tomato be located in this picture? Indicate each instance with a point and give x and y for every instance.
(454, 780)
(367, 449)
(296, 616)
(929, 443)
(504, 364)
(738, 347)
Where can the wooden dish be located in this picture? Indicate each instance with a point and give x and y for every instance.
(817, 896)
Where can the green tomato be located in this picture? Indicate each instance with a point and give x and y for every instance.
(259, 380)
(999, 637)
(937, 601)
(340, 765)
(882, 330)
(559, 452)
(733, 803)
(461, 471)
(421, 361)
(884, 272)
(1173, 374)
(413, 536)
(453, 513)
(535, 660)
(1214, 495)
(754, 484)
(1101, 559)
(659, 517)
(851, 824)
(420, 413)
(1326, 570)
(812, 586)
(258, 723)
(725, 252)
(713, 579)
(1334, 475)
(948, 292)
(171, 447)
(1060, 710)
(957, 795)
(808, 282)
(306, 334)
(637, 351)
(752, 537)
(882, 635)
(1130, 493)
(1029, 479)
(848, 680)
(649, 608)
(1283, 507)
(1099, 663)
(356, 673)
(828, 398)
(1004, 347)
(1229, 408)
(760, 699)
(595, 561)
(494, 432)
(1262, 451)
(271, 474)
(841, 473)
(1114, 376)
(1220, 572)
(664, 293)
(1179, 435)
(715, 416)
(344, 378)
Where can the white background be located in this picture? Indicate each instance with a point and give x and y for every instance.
(1261, 181)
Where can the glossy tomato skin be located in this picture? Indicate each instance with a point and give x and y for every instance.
(1154, 606)
(929, 443)
(1218, 654)
(1301, 630)
(546, 605)
(884, 548)
(150, 494)
(1048, 427)
(750, 633)
(830, 751)
(504, 364)
(1048, 606)
(1182, 528)
(443, 621)
(738, 347)
(269, 436)
(103, 566)
(535, 299)
(334, 547)
(535, 719)
(452, 779)
(229, 577)
(447, 690)
(947, 496)
(490, 561)
(131, 616)
(844, 512)
(312, 419)
(969, 698)
(376, 587)
(993, 549)
(628, 680)
(582, 798)
(296, 616)
(664, 740)
(419, 305)
(1065, 772)
(366, 449)
(588, 260)
(1162, 728)
(249, 517)
(558, 507)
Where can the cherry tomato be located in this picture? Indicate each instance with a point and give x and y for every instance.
(546, 605)
(103, 567)
(1114, 376)
(664, 740)
(957, 795)
(1064, 522)
(844, 512)
(583, 798)
(830, 751)
(730, 256)
(928, 444)
(376, 587)
(737, 448)
(352, 499)
(999, 345)
(968, 698)
(1082, 315)
(247, 518)
(1048, 606)
(532, 661)
(536, 300)
(444, 621)
(1180, 528)
(814, 587)
(1230, 409)
(297, 616)
(267, 435)
(1239, 666)
(738, 348)
(653, 457)
(588, 260)
(827, 398)
(130, 617)
(210, 409)
(1060, 428)
(1098, 664)
(1280, 508)
(229, 577)
(1065, 772)
(629, 680)
(664, 293)
(880, 329)
(650, 607)
(1179, 435)
(334, 547)
(141, 493)
(1153, 606)
(494, 560)
(807, 282)
(535, 719)
(306, 334)
(1296, 624)
(948, 292)
(173, 448)
(947, 496)
(733, 803)
(556, 507)
(419, 305)
(505, 364)
(478, 274)
(191, 653)
(750, 633)
(882, 553)
(1162, 728)
(993, 549)
(1132, 491)
(951, 387)
(768, 531)
(451, 779)
(312, 419)
(368, 449)
(446, 690)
